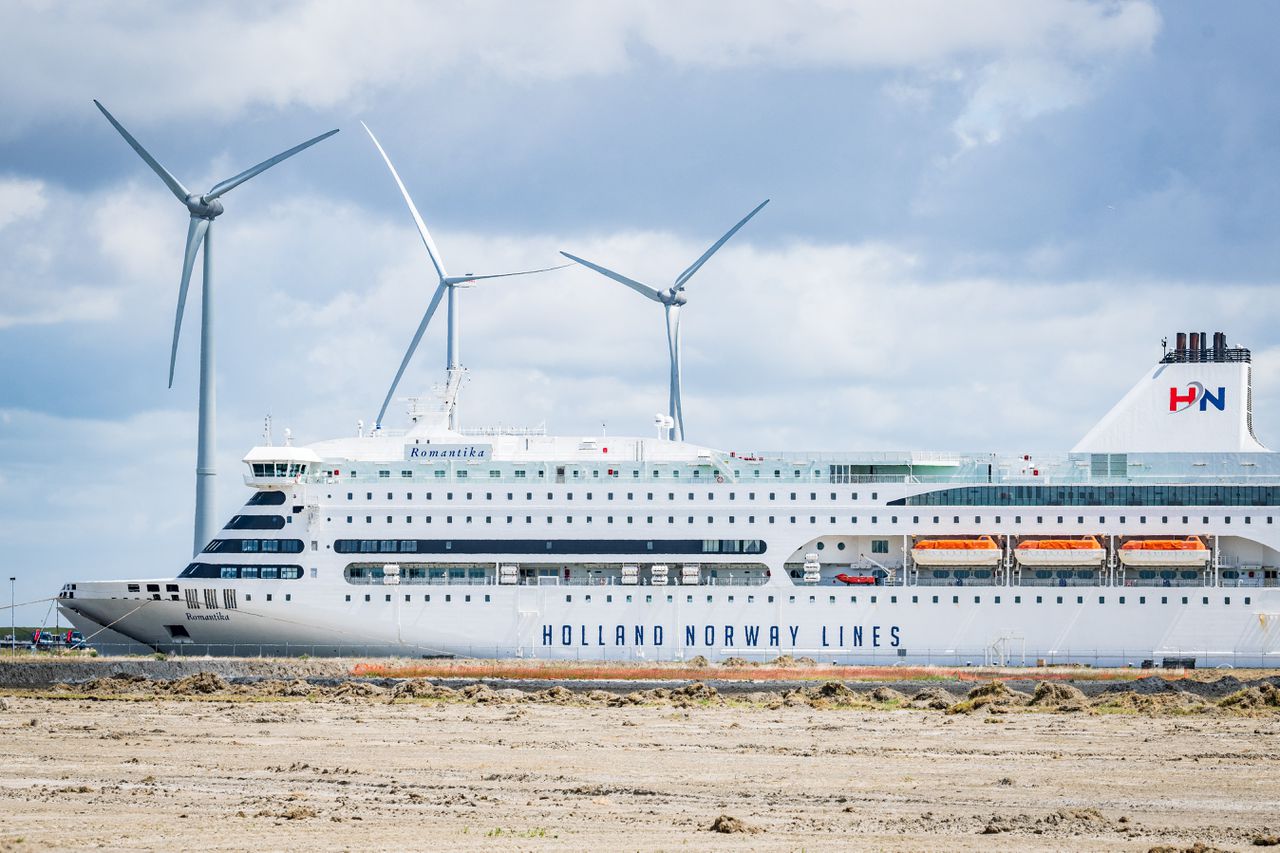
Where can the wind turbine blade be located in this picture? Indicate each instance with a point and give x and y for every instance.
(432, 251)
(618, 277)
(413, 345)
(462, 279)
(231, 183)
(195, 235)
(697, 265)
(175, 186)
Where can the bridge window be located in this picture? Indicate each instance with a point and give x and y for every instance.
(256, 522)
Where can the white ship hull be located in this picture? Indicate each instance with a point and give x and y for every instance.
(1112, 626)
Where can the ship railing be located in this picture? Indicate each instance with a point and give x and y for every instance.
(927, 581)
(1166, 583)
(1047, 476)
(1060, 582)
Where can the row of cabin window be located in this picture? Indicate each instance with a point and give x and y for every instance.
(671, 496)
(1084, 495)
(254, 546)
(831, 599)
(549, 546)
(813, 519)
(577, 473)
(211, 570)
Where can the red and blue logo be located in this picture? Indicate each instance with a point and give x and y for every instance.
(1180, 401)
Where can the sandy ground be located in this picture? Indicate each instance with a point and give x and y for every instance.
(219, 771)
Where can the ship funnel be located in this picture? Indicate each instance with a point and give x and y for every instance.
(1198, 399)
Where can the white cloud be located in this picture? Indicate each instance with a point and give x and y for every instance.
(151, 61)
(20, 198)
(1015, 91)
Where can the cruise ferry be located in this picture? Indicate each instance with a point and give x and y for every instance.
(1155, 538)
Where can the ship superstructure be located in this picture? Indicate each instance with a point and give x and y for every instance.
(1155, 537)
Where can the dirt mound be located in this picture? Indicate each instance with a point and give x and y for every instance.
(421, 688)
(350, 690)
(1060, 822)
(553, 696)
(835, 691)
(200, 684)
(737, 662)
(788, 661)
(887, 695)
(933, 698)
(698, 661)
(1062, 697)
(1264, 696)
(730, 825)
(274, 687)
(119, 684)
(994, 696)
(1163, 702)
(694, 693)
(483, 694)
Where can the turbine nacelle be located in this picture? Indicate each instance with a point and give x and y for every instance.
(468, 280)
(202, 208)
(672, 296)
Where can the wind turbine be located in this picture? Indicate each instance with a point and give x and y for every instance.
(447, 283)
(671, 299)
(204, 208)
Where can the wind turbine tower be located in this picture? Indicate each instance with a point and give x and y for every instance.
(203, 208)
(672, 299)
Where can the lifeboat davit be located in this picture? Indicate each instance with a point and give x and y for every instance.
(1164, 552)
(1060, 552)
(982, 551)
(854, 580)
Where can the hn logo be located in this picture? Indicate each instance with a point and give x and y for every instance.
(1196, 392)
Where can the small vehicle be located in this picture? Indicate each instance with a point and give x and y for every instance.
(73, 639)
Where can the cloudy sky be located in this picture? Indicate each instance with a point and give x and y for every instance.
(985, 215)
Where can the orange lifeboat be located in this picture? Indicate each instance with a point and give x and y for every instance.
(857, 580)
(1060, 552)
(1190, 551)
(982, 551)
